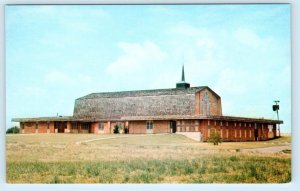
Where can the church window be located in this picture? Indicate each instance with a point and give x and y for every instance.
(149, 125)
(205, 104)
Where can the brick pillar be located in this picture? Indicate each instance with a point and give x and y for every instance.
(259, 132)
(36, 127)
(109, 127)
(68, 130)
(48, 126)
(196, 125)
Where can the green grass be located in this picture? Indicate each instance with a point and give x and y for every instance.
(149, 159)
(222, 169)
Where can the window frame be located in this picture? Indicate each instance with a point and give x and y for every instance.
(149, 125)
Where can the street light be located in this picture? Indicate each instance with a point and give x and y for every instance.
(276, 108)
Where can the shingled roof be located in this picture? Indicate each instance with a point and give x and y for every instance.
(139, 93)
(114, 105)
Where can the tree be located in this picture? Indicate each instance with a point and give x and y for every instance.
(214, 138)
(116, 129)
(13, 130)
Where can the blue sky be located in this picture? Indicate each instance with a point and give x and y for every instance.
(55, 54)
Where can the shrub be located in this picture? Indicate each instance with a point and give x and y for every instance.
(116, 129)
(13, 130)
(214, 138)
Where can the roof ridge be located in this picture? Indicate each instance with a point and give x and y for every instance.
(108, 94)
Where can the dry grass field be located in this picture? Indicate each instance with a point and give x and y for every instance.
(164, 158)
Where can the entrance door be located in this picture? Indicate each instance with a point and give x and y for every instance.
(60, 126)
(173, 126)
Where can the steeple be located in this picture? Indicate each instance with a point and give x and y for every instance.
(182, 83)
(182, 75)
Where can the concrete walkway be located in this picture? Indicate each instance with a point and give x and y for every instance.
(117, 137)
(275, 149)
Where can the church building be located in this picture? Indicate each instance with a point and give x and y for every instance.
(195, 112)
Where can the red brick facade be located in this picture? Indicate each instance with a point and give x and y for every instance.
(191, 111)
(228, 130)
(215, 106)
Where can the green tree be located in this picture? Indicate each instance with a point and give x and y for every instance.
(214, 138)
(13, 130)
(116, 129)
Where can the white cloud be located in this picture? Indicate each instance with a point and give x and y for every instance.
(136, 57)
(57, 77)
(229, 83)
(205, 43)
(188, 30)
(250, 38)
(31, 91)
(63, 78)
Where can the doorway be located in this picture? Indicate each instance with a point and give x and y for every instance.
(60, 126)
(173, 126)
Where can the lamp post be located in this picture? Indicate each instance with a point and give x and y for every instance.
(276, 108)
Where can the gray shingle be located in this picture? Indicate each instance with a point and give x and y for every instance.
(158, 102)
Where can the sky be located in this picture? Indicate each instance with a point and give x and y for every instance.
(57, 53)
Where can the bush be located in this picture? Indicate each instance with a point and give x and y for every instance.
(116, 129)
(214, 138)
(13, 130)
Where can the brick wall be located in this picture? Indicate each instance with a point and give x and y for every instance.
(136, 127)
(29, 127)
(161, 127)
(106, 128)
(94, 127)
(42, 127)
(215, 106)
(233, 130)
(51, 127)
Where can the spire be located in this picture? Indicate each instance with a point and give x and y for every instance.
(182, 75)
(182, 83)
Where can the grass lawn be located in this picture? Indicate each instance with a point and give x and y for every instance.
(167, 158)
